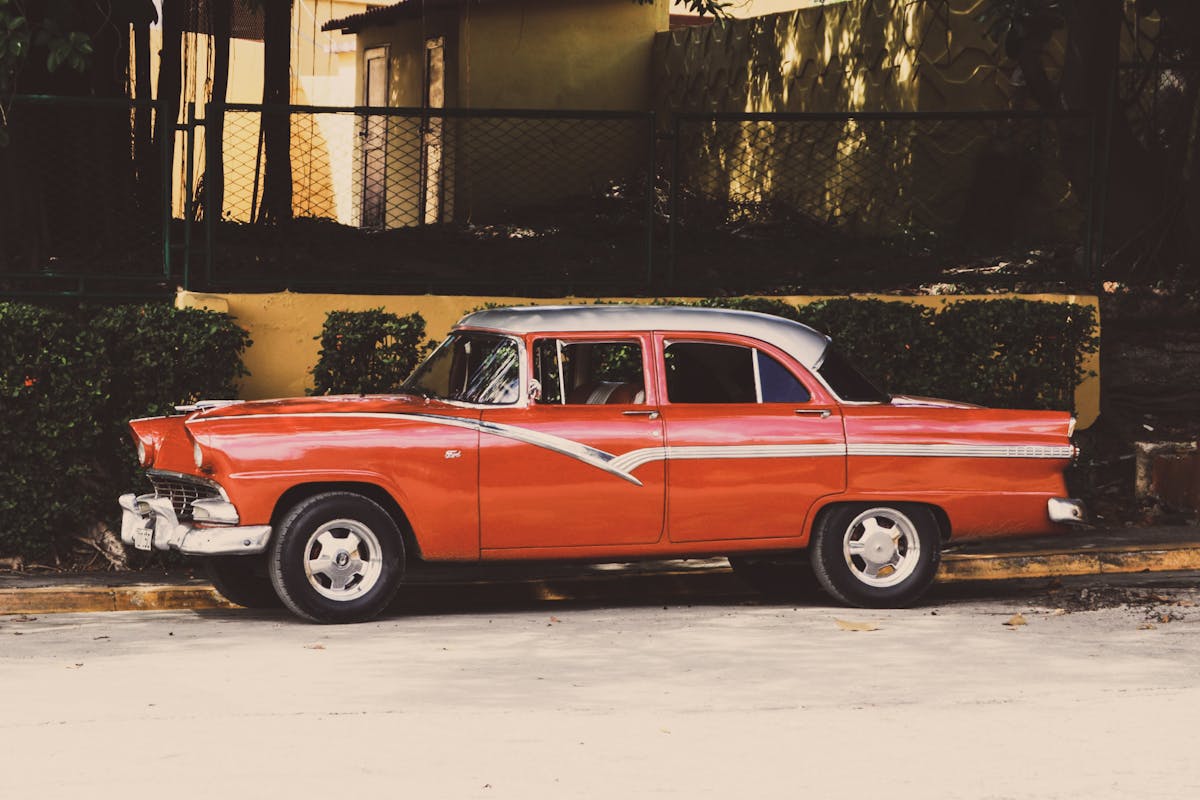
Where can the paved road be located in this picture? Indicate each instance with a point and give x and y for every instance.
(725, 699)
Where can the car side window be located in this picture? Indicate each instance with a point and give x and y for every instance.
(589, 373)
(709, 372)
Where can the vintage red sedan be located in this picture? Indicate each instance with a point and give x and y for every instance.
(602, 433)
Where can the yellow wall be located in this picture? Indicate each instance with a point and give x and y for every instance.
(572, 54)
(285, 327)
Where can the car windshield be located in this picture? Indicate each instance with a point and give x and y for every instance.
(472, 368)
(847, 382)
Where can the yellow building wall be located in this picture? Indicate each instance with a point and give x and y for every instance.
(525, 54)
(285, 328)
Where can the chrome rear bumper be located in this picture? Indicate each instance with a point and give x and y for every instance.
(1066, 510)
(168, 533)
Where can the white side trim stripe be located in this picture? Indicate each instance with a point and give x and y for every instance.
(623, 466)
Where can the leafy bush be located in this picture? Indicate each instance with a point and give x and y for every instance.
(1009, 353)
(69, 383)
(368, 352)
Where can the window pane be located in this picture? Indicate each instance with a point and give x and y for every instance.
(590, 373)
(702, 372)
(847, 382)
(779, 385)
(472, 367)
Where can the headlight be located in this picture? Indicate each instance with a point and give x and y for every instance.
(145, 452)
(198, 455)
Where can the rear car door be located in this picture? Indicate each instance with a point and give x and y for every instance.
(752, 439)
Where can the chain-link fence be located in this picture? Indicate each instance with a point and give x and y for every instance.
(536, 202)
(792, 198)
(403, 199)
(81, 197)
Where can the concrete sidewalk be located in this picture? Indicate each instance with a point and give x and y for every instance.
(1084, 552)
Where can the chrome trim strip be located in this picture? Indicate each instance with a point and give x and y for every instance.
(961, 450)
(636, 458)
(622, 466)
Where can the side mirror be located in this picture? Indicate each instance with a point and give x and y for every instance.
(535, 389)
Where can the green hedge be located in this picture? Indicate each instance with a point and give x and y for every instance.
(1008, 353)
(69, 383)
(367, 352)
(1005, 353)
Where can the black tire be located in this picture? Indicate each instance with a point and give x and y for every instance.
(850, 553)
(242, 580)
(779, 579)
(336, 557)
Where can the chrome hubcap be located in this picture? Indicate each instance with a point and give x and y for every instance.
(343, 559)
(881, 547)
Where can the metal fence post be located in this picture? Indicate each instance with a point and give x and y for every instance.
(673, 201)
(189, 202)
(208, 205)
(168, 133)
(651, 181)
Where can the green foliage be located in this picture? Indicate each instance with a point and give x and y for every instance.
(69, 383)
(1009, 353)
(368, 352)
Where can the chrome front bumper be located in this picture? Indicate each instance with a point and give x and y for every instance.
(166, 532)
(1066, 510)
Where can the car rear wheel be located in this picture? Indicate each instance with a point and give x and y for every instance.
(876, 556)
(337, 557)
(242, 580)
(779, 579)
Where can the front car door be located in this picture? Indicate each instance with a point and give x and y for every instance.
(580, 464)
(752, 439)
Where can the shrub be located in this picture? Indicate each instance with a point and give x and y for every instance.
(368, 352)
(1009, 353)
(69, 383)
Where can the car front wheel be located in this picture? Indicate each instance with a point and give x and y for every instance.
(337, 557)
(876, 555)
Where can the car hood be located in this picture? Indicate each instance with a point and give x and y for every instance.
(326, 404)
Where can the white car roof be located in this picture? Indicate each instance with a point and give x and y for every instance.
(803, 343)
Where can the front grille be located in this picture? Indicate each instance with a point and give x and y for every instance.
(183, 491)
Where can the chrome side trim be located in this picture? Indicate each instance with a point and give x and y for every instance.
(961, 450)
(1066, 510)
(636, 458)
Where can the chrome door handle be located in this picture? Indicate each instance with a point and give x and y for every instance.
(814, 412)
(648, 414)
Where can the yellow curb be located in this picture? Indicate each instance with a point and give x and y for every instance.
(1047, 565)
(49, 600)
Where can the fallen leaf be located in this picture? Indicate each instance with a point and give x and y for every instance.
(1015, 621)
(1058, 612)
(76, 665)
(1164, 618)
(1185, 604)
(1147, 626)
(314, 646)
(555, 619)
(664, 730)
(856, 626)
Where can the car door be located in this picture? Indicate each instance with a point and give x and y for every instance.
(580, 464)
(752, 439)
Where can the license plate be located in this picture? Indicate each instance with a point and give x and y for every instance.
(143, 538)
